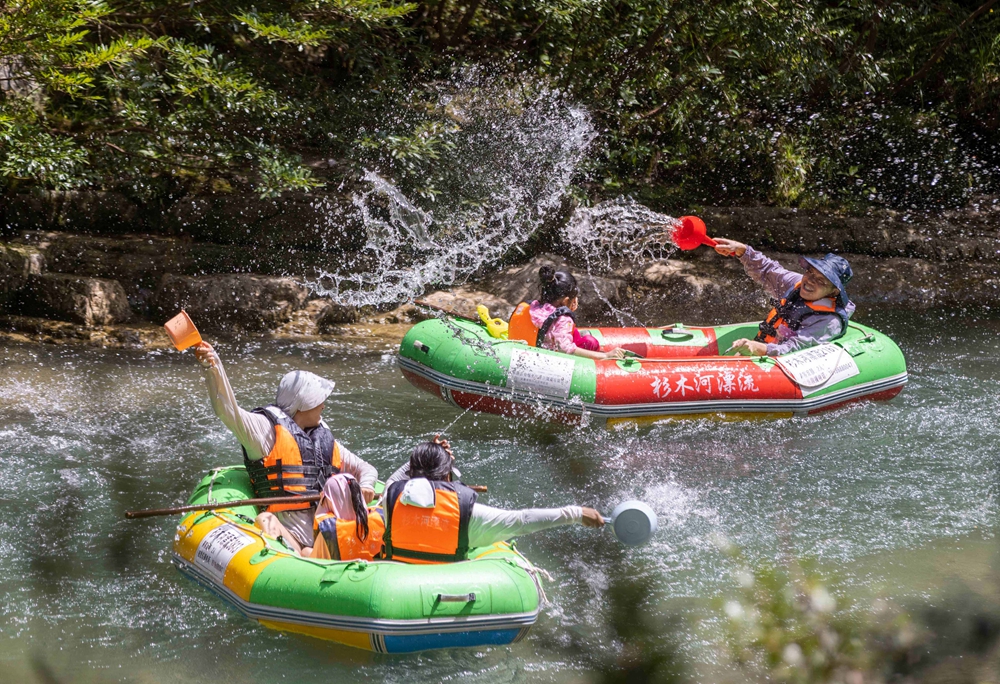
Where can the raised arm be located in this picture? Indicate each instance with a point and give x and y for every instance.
(775, 278)
(254, 432)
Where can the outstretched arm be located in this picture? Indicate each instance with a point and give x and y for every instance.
(775, 278)
(490, 525)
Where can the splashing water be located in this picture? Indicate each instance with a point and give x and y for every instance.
(506, 161)
(616, 233)
(620, 231)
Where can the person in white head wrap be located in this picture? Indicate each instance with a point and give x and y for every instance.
(302, 391)
(301, 396)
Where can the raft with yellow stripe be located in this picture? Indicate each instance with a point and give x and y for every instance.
(493, 598)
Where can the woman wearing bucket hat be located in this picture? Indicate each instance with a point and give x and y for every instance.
(813, 306)
(288, 449)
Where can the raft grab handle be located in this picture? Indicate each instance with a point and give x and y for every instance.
(457, 598)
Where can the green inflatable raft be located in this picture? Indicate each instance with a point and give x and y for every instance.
(492, 598)
(684, 371)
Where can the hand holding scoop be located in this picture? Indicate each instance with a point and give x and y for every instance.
(691, 233)
(634, 522)
(182, 331)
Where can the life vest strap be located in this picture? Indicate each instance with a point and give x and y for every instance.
(550, 321)
(407, 554)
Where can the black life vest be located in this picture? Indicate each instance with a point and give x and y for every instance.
(429, 535)
(553, 317)
(793, 311)
(299, 463)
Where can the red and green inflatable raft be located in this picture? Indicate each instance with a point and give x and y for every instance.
(681, 373)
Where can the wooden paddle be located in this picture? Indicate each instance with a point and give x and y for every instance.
(152, 512)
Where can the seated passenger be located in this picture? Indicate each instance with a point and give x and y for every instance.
(344, 528)
(812, 307)
(288, 449)
(549, 321)
(432, 519)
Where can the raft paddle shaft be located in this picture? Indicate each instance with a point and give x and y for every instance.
(267, 501)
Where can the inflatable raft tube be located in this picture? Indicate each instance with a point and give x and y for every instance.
(385, 606)
(682, 373)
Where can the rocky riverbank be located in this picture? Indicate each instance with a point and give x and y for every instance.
(77, 280)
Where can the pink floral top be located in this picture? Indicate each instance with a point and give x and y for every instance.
(563, 335)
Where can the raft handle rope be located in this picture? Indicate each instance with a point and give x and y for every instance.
(211, 483)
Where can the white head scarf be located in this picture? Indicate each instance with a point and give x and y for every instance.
(301, 391)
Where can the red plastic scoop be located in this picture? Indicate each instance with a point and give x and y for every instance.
(691, 233)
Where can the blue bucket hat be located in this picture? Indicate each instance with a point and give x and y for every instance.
(835, 269)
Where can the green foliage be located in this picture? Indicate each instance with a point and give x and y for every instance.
(160, 95)
(733, 101)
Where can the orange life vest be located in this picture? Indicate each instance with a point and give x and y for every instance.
(521, 327)
(792, 311)
(341, 536)
(298, 463)
(429, 535)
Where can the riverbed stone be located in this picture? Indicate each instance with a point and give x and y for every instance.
(237, 302)
(17, 263)
(88, 301)
(464, 300)
(332, 315)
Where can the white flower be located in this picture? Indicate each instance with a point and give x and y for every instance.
(734, 610)
(822, 601)
(793, 655)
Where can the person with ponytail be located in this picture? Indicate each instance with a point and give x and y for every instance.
(550, 322)
(344, 528)
(433, 518)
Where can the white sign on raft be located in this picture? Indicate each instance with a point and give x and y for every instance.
(218, 548)
(818, 367)
(540, 373)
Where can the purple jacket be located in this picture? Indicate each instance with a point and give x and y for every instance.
(777, 281)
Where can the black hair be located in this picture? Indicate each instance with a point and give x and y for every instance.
(360, 509)
(431, 461)
(556, 284)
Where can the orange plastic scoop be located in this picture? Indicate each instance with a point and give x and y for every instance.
(690, 233)
(182, 332)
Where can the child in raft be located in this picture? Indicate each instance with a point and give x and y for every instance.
(344, 527)
(552, 316)
(432, 517)
(813, 306)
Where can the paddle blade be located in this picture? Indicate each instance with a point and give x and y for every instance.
(182, 331)
(634, 523)
(690, 234)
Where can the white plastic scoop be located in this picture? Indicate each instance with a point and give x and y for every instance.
(634, 522)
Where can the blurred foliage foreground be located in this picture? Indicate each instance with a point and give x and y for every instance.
(787, 627)
(791, 102)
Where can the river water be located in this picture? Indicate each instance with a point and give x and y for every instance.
(894, 499)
